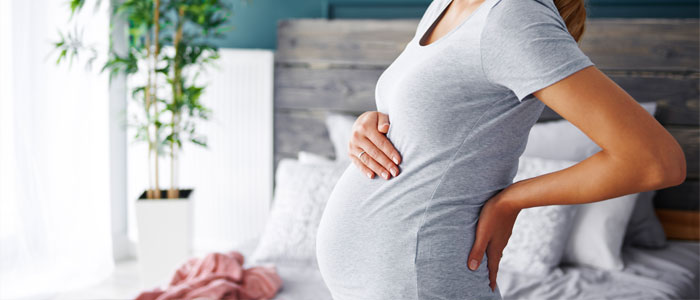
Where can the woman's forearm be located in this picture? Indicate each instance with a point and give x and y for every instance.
(599, 177)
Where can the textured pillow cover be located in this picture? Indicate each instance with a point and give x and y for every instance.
(540, 233)
(301, 192)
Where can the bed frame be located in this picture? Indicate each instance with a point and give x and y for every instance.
(332, 65)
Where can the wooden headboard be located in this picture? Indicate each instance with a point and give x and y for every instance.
(332, 65)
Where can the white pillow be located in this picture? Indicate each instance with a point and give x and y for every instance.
(300, 196)
(598, 233)
(562, 140)
(306, 157)
(539, 234)
(339, 129)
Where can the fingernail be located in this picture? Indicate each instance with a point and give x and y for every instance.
(394, 172)
(473, 264)
(396, 161)
(369, 174)
(385, 175)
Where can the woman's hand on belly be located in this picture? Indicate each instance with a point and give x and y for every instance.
(493, 229)
(368, 135)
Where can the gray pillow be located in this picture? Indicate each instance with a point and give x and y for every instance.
(644, 228)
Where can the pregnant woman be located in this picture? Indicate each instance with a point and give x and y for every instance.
(461, 99)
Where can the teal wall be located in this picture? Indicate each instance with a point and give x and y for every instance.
(255, 21)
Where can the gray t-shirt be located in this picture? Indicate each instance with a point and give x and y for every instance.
(460, 110)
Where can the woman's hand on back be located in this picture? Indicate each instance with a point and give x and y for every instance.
(493, 230)
(368, 134)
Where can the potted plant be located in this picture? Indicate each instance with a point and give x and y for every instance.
(169, 43)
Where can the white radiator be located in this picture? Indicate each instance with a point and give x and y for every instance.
(233, 177)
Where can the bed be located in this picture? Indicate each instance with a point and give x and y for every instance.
(327, 67)
(669, 273)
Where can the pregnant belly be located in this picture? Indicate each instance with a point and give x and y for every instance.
(392, 236)
(367, 236)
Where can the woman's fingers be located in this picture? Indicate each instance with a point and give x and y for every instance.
(369, 135)
(478, 249)
(382, 142)
(494, 258)
(368, 162)
(382, 122)
(386, 165)
(360, 165)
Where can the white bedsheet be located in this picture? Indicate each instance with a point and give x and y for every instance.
(669, 273)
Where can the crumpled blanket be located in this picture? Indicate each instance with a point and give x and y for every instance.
(219, 276)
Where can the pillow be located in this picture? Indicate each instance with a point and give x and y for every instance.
(305, 157)
(598, 233)
(301, 192)
(645, 229)
(539, 234)
(339, 129)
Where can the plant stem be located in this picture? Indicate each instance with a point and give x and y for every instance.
(156, 18)
(177, 100)
(150, 193)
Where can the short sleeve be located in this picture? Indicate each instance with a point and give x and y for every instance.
(525, 47)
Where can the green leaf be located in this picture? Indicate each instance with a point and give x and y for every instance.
(76, 5)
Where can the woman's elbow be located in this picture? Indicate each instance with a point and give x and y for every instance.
(670, 169)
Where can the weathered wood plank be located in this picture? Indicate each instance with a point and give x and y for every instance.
(301, 130)
(685, 196)
(328, 89)
(689, 139)
(615, 44)
(643, 44)
(353, 90)
(680, 224)
(356, 42)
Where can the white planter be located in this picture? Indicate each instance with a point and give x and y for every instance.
(164, 229)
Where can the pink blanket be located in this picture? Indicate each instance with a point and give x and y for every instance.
(219, 276)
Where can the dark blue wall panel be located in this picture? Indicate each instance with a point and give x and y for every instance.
(255, 21)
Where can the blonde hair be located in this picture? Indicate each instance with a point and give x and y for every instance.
(574, 14)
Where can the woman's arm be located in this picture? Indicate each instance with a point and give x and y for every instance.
(638, 154)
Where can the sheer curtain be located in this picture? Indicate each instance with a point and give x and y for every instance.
(54, 153)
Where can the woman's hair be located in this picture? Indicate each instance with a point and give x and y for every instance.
(574, 15)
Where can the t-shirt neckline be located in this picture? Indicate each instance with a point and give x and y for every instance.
(439, 17)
